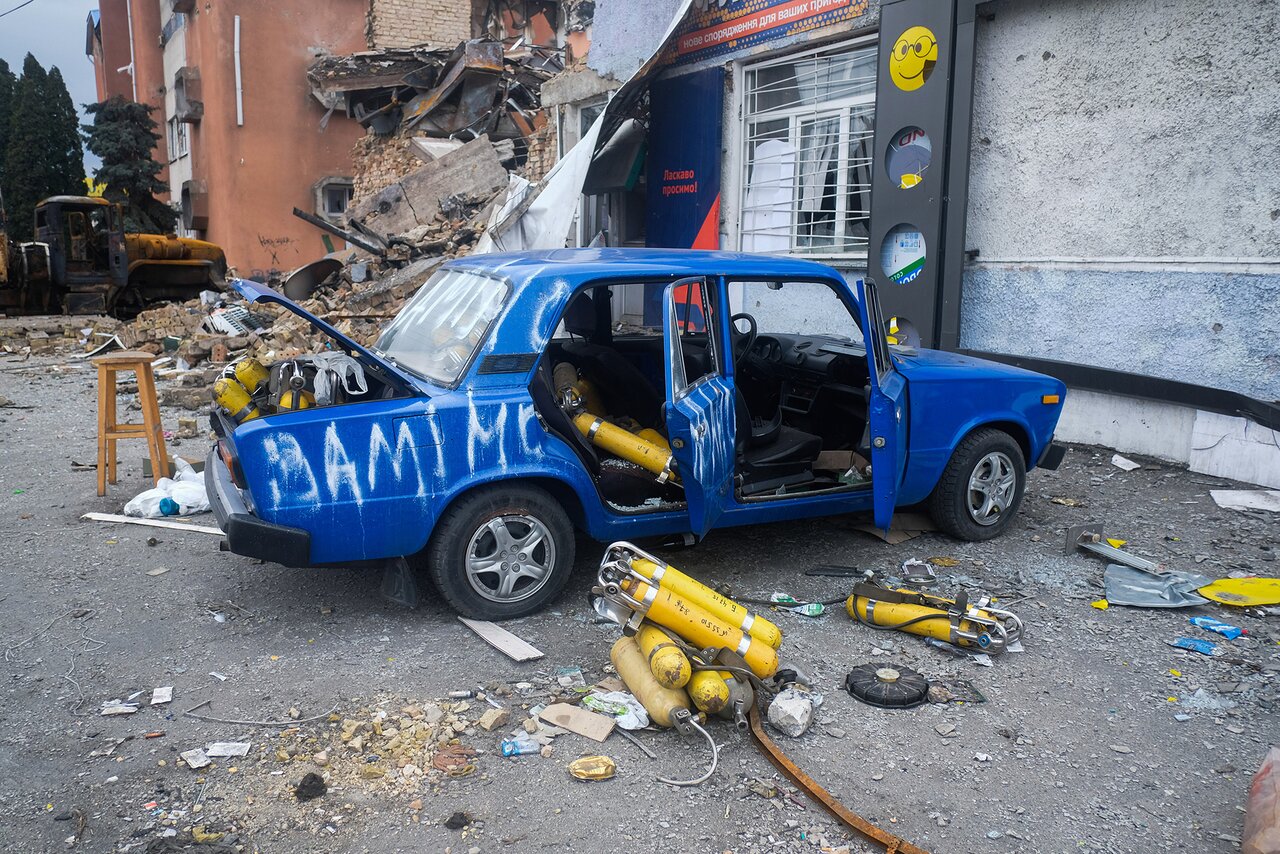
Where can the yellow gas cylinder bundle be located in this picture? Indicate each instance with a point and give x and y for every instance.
(646, 448)
(675, 617)
(234, 393)
(956, 621)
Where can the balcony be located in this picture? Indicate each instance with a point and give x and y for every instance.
(188, 105)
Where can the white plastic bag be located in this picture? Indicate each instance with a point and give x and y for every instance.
(181, 495)
(334, 370)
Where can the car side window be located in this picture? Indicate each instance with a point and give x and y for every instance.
(694, 350)
(797, 308)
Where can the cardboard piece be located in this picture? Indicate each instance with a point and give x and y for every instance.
(502, 640)
(594, 726)
(905, 526)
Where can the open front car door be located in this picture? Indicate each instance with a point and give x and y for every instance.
(888, 408)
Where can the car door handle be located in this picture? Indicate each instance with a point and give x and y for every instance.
(699, 431)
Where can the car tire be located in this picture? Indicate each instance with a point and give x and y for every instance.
(981, 488)
(480, 559)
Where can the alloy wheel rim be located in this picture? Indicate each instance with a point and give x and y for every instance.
(991, 488)
(509, 558)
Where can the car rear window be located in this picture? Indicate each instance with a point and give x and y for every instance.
(440, 329)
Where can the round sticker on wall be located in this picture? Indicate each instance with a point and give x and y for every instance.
(902, 255)
(913, 57)
(908, 156)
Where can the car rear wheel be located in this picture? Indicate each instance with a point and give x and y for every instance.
(981, 488)
(501, 553)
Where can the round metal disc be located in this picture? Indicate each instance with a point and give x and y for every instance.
(871, 684)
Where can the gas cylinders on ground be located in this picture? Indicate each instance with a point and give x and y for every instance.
(680, 629)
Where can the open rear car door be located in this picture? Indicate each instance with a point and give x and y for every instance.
(699, 411)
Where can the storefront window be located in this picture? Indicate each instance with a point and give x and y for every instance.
(807, 161)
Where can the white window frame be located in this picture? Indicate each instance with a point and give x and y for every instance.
(842, 109)
(183, 144)
(172, 126)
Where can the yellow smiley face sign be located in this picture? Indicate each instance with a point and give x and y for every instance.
(913, 57)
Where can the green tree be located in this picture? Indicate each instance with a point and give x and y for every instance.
(123, 135)
(66, 156)
(26, 166)
(8, 83)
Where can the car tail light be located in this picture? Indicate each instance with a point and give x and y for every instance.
(229, 460)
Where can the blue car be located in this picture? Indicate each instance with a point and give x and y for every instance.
(626, 393)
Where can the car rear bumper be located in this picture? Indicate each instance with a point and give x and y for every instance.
(1051, 456)
(246, 534)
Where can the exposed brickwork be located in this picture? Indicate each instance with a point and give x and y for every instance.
(542, 153)
(379, 163)
(404, 23)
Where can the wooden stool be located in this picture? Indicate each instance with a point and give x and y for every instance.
(110, 430)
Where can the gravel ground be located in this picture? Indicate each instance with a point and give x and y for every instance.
(1083, 749)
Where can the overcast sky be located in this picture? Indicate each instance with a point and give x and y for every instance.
(53, 30)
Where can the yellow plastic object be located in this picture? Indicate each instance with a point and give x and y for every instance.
(724, 609)
(234, 400)
(251, 374)
(661, 703)
(1101, 604)
(667, 661)
(653, 437)
(291, 399)
(701, 628)
(1243, 592)
(709, 691)
(893, 613)
(593, 768)
(627, 445)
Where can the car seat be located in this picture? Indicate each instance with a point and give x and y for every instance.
(626, 391)
(771, 454)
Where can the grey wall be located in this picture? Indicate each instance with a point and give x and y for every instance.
(1125, 189)
(625, 33)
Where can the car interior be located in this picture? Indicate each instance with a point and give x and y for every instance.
(800, 394)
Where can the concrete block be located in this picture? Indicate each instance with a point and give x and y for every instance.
(1128, 425)
(1237, 448)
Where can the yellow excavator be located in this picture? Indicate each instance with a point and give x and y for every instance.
(83, 262)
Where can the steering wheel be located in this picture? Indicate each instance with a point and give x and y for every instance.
(742, 341)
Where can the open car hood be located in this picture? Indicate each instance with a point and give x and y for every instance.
(258, 292)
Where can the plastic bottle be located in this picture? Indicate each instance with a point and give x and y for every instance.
(519, 745)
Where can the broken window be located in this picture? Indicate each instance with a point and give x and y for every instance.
(808, 127)
(336, 199)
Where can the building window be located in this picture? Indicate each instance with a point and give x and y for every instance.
(808, 123)
(177, 140)
(333, 195)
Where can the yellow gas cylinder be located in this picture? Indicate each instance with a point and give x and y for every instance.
(895, 613)
(701, 628)
(709, 691)
(738, 690)
(251, 374)
(653, 437)
(293, 398)
(661, 703)
(234, 400)
(668, 662)
(722, 607)
(627, 445)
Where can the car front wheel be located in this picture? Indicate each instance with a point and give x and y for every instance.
(501, 553)
(981, 487)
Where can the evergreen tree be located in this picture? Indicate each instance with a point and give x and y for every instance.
(123, 135)
(8, 83)
(26, 156)
(66, 156)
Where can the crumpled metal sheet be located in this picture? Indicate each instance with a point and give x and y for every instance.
(1125, 585)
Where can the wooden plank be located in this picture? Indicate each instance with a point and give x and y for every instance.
(502, 640)
(575, 719)
(155, 523)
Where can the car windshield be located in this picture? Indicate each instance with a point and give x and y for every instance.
(439, 330)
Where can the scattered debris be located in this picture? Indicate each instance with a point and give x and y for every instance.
(159, 570)
(310, 787)
(118, 707)
(1139, 588)
(457, 821)
(791, 711)
(1227, 630)
(1124, 463)
(577, 720)
(195, 758)
(220, 749)
(593, 768)
(162, 695)
(1243, 592)
(1203, 647)
(1247, 499)
(502, 640)
(1262, 812)
(154, 523)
